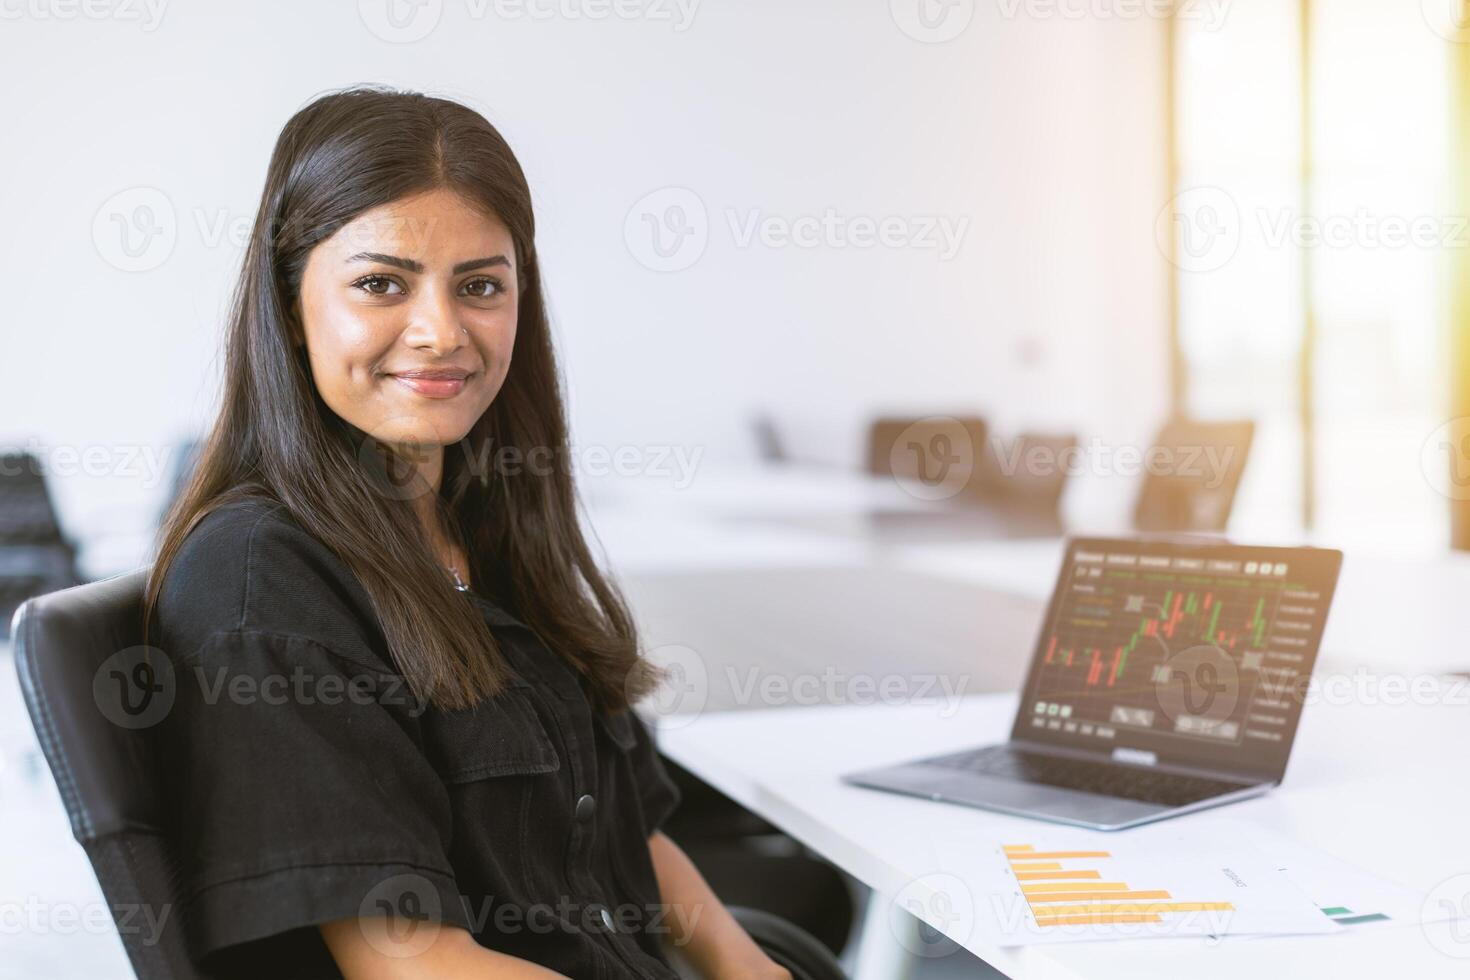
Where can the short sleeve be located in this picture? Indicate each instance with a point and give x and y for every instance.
(301, 794)
(656, 790)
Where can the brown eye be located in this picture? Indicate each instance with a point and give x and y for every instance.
(376, 285)
(489, 287)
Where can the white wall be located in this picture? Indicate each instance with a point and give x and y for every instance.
(1044, 133)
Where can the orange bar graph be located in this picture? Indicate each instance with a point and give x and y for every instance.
(1083, 896)
(1059, 893)
(1094, 920)
(1042, 887)
(1142, 908)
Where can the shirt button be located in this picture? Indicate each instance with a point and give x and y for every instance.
(607, 918)
(585, 806)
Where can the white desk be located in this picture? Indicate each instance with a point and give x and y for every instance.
(1380, 786)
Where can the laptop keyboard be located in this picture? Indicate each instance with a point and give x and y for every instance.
(1088, 776)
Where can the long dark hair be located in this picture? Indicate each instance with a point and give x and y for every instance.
(275, 438)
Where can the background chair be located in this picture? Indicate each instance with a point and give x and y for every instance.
(770, 447)
(107, 776)
(35, 556)
(998, 488)
(1197, 491)
(1025, 477)
(907, 447)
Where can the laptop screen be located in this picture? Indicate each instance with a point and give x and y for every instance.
(1198, 654)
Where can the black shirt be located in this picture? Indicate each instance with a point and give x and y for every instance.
(307, 784)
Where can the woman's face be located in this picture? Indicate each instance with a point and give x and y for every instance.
(409, 317)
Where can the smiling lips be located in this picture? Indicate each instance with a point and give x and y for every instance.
(436, 383)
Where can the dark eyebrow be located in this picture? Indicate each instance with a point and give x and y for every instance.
(412, 266)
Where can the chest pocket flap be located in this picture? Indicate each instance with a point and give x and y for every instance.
(503, 736)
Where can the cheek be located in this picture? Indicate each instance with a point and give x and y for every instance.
(497, 325)
(345, 345)
(350, 332)
(497, 339)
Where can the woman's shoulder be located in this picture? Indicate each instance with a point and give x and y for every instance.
(249, 566)
(225, 531)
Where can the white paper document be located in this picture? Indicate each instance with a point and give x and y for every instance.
(1055, 885)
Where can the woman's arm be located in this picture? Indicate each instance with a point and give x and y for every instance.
(362, 949)
(703, 930)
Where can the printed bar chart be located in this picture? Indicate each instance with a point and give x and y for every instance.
(1210, 878)
(1077, 895)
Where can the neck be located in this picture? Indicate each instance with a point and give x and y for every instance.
(428, 463)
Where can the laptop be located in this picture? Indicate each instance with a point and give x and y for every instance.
(1168, 677)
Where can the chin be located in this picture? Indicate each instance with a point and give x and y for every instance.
(423, 431)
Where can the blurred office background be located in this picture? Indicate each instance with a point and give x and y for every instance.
(848, 296)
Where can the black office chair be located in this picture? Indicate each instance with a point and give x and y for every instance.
(1197, 492)
(35, 556)
(752, 863)
(109, 785)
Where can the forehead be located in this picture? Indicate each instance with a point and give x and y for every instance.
(425, 226)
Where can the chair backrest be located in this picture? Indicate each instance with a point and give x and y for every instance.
(1190, 483)
(769, 445)
(35, 556)
(1028, 472)
(85, 678)
(918, 447)
(26, 513)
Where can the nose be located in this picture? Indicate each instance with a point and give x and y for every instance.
(434, 324)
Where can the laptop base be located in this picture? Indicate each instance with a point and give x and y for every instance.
(1024, 799)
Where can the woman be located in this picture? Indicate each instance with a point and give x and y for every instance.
(400, 744)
